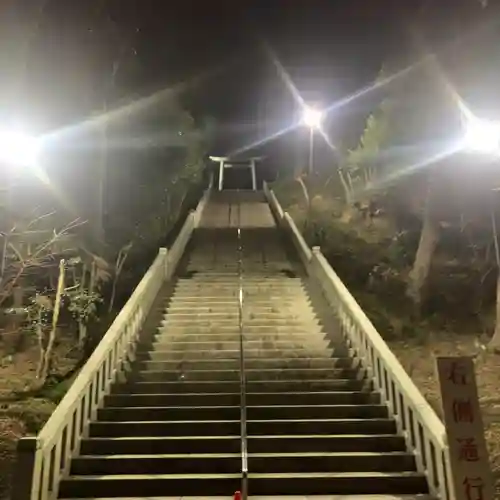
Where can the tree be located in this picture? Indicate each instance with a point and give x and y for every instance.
(429, 238)
(422, 116)
(362, 167)
(157, 174)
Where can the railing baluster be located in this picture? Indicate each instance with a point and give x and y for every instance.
(399, 413)
(88, 409)
(66, 445)
(56, 467)
(45, 479)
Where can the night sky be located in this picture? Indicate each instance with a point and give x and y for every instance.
(215, 48)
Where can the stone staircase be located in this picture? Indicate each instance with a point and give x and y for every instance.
(172, 428)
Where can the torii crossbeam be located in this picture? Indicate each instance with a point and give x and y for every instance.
(227, 162)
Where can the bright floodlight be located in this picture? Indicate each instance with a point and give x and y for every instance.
(482, 136)
(18, 149)
(312, 117)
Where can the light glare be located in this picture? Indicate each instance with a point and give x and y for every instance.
(312, 117)
(482, 136)
(18, 149)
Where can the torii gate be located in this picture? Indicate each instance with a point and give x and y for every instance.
(226, 162)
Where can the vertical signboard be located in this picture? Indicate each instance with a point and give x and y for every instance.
(469, 462)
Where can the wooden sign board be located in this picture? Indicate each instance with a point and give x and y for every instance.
(469, 462)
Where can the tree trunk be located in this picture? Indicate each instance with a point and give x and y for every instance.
(82, 333)
(495, 340)
(47, 355)
(429, 239)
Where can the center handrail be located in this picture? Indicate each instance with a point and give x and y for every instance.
(243, 396)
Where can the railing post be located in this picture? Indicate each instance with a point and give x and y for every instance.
(164, 253)
(315, 251)
(26, 477)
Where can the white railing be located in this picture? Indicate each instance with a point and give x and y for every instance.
(43, 460)
(299, 242)
(273, 203)
(203, 202)
(416, 420)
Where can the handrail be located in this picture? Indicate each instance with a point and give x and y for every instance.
(273, 202)
(243, 390)
(43, 460)
(300, 243)
(416, 420)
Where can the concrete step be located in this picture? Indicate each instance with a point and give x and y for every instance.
(170, 413)
(235, 336)
(184, 386)
(295, 289)
(210, 290)
(166, 342)
(129, 445)
(227, 264)
(305, 315)
(232, 278)
(217, 463)
(209, 463)
(322, 443)
(228, 399)
(259, 484)
(250, 354)
(164, 428)
(234, 328)
(252, 325)
(209, 297)
(216, 289)
(166, 360)
(306, 324)
(232, 308)
(254, 412)
(295, 309)
(245, 283)
(251, 374)
(287, 497)
(232, 427)
(319, 443)
(149, 485)
(231, 300)
(346, 483)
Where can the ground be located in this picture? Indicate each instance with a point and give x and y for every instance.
(21, 415)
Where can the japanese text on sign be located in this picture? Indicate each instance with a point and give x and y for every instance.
(472, 478)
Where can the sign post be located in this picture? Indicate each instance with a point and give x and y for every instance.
(468, 455)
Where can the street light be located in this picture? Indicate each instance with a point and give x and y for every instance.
(311, 118)
(482, 136)
(18, 149)
(17, 152)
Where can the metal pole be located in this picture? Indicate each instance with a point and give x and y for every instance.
(311, 149)
(243, 402)
(221, 174)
